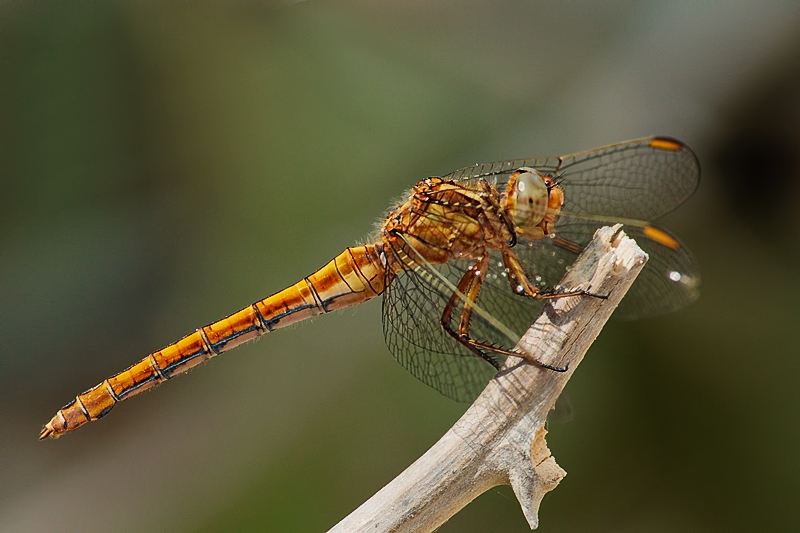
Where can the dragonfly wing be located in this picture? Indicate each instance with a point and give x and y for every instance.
(642, 179)
(413, 305)
(631, 182)
(497, 299)
(415, 300)
(499, 171)
(669, 281)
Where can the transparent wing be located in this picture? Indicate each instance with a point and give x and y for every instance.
(413, 305)
(669, 281)
(642, 179)
(415, 300)
(632, 182)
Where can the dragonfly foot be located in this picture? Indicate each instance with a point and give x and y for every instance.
(564, 293)
(598, 296)
(558, 369)
(541, 364)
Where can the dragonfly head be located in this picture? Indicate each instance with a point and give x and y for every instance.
(534, 201)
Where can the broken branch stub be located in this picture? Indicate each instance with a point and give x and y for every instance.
(500, 439)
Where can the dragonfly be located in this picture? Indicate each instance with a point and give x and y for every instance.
(464, 263)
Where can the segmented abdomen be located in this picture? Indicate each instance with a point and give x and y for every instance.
(352, 277)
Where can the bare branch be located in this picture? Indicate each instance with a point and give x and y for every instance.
(500, 439)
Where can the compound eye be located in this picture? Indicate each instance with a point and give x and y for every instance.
(532, 193)
(530, 200)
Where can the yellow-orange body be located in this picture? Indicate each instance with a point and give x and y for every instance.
(441, 220)
(354, 276)
(482, 209)
(444, 220)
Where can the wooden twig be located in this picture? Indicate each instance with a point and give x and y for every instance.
(500, 439)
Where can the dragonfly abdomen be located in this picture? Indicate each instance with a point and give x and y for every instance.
(354, 276)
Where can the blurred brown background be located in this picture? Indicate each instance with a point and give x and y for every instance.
(164, 164)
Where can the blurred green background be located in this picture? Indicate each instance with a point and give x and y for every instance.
(165, 164)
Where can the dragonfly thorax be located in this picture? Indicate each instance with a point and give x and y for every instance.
(533, 202)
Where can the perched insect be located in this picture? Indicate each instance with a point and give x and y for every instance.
(464, 263)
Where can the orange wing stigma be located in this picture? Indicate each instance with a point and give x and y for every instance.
(666, 144)
(661, 237)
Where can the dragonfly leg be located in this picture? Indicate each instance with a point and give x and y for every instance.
(521, 285)
(513, 353)
(491, 197)
(468, 288)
